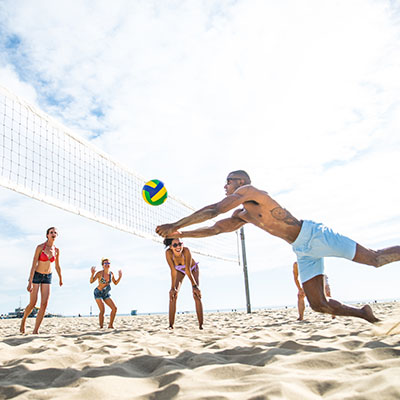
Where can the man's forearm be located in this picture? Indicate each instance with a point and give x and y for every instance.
(202, 215)
(199, 233)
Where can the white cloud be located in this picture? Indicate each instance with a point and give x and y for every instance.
(11, 81)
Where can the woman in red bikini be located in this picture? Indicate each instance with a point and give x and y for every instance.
(40, 277)
(181, 263)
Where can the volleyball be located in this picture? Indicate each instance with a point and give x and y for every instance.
(154, 192)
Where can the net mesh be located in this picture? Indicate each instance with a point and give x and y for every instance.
(44, 160)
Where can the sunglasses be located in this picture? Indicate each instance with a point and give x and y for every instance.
(228, 180)
(177, 244)
(106, 263)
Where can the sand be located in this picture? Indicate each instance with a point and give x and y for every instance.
(263, 355)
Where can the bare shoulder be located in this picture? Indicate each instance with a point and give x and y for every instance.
(39, 248)
(251, 193)
(168, 254)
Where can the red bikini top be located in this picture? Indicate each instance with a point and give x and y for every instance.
(44, 257)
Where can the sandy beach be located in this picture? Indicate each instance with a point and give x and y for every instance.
(263, 355)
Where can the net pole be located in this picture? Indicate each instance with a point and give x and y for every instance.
(245, 274)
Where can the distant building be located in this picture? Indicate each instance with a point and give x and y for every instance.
(19, 313)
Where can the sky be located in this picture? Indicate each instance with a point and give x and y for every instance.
(304, 96)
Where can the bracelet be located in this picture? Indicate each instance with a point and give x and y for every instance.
(195, 287)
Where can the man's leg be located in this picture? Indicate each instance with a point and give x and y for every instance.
(300, 305)
(315, 292)
(328, 290)
(377, 258)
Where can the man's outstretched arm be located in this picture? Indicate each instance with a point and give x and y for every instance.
(223, 226)
(203, 214)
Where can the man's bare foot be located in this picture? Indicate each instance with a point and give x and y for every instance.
(110, 327)
(35, 332)
(300, 319)
(368, 314)
(22, 327)
(201, 327)
(170, 327)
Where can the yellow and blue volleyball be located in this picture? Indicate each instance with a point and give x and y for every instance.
(154, 192)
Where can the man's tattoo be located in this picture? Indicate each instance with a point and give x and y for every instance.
(283, 215)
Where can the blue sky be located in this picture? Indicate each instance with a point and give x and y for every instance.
(302, 95)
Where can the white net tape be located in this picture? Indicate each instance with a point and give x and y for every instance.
(44, 160)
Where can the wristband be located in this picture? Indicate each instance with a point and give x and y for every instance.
(195, 287)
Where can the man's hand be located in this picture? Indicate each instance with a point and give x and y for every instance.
(30, 287)
(167, 230)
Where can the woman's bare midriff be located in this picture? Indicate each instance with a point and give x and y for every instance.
(44, 267)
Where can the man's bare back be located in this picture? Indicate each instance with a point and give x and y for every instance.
(265, 213)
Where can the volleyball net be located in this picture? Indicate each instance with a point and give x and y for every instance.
(42, 159)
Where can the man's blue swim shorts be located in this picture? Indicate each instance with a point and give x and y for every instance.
(316, 241)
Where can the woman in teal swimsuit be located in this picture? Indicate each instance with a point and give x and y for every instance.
(181, 263)
(102, 292)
